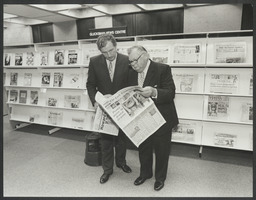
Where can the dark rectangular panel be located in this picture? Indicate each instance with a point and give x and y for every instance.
(83, 26)
(36, 33)
(160, 22)
(247, 17)
(46, 33)
(127, 20)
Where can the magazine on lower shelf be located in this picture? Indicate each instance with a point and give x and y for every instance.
(23, 96)
(77, 122)
(46, 77)
(59, 56)
(7, 59)
(57, 79)
(185, 82)
(27, 79)
(55, 117)
(33, 97)
(225, 139)
(18, 59)
(72, 101)
(218, 107)
(13, 78)
(72, 56)
(13, 96)
(247, 112)
(184, 131)
(52, 101)
(44, 58)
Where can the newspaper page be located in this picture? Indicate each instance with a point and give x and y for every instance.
(184, 131)
(187, 53)
(104, 124)
(159, 53)
(225, 139)
(234, 52)
(224, 83)
(185, 82)
(218, 107)
(136, 115)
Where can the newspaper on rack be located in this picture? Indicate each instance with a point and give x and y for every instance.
(136, 115)
(104, 124)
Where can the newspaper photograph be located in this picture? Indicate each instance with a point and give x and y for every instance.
(187, 53)
(104, 124)
(224, 83)
(234, 52)
(136, 115)
(225, 139)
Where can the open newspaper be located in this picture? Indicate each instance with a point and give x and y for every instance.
(136, 115)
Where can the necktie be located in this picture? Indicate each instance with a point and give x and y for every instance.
(140, 79)
(110, 70)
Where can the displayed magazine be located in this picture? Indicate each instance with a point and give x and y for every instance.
(13, 96)
(185, 82)
(184, 131)
(34, 97)
(46, 76)
(187, 53)
(13, 78)
(251, 85)
(55, 118)
(30, 58)
(218, 107)
(224, 83)
(44, 58)
(51, 101)
(225, 139)
(247, 112)
(230, 52)
(23, 96)
(159, 53)
(18, 59)
(4, 78)
(77, 122)
(59, 56)
(74, 80)
(72, 101)
(57, 79)
(27, 79)
(34, 117)
(72, 56)
(7, 59)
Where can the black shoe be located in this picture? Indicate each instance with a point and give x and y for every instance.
(158, 185)
(140, 180)
(104, 178)
(125, 168)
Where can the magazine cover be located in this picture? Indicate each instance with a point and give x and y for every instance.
(34, 97)
(218, 107)
(74, 80)
(77, 122)
(18, 59)
(72, 101)
(7, 59)
(55, 117)
(13, 96)
(43, 58)
(185, 82)
(4, 78)
(23, 96)
(30, 58)
(46, 76)
(72, 56)
(13, 78)
(251, 85)
(59, 57)
(247, 112)
(52, 101)
(27, 79)
(57, 79)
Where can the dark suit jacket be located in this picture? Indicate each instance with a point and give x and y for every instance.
(160, 76)
(99, 78)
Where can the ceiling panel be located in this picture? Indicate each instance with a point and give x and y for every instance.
(56, 18)
(113, 9)
(56, 7)
(82, 13)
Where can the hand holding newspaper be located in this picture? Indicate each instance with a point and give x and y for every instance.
(137, 116)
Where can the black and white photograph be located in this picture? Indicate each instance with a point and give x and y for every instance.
(185, 132)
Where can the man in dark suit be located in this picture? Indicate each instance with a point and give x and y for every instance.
(156, 80)
(108, 73)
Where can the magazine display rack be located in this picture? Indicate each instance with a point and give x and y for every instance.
(46, 84)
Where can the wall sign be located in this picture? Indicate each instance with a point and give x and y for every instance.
(115, 31)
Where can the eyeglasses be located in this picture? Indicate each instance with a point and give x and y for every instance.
(135, 60)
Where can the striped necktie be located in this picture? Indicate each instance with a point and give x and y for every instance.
(140, 79)
(110, 70)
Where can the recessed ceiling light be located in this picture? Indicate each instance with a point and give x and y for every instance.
(82, 13)
(56, 7)
(159, 6)
(25, 21)
(113, 9)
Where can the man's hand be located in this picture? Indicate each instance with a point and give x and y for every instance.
(148, 91)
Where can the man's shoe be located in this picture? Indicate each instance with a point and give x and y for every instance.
(140, 180)
(158, 185)
(104, 178)
(125, 168)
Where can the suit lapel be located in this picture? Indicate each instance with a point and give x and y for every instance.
(104, 68)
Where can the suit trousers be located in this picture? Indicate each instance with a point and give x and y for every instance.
(161, 145)
(108, 143)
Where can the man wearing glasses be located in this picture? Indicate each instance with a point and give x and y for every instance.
(108, 73)
(156, 80)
